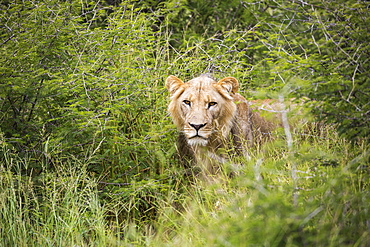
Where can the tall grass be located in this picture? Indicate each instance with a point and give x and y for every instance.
(59, 208)
(108, 174)
(326, 204)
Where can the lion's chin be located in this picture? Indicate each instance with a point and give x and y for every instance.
(198, 141)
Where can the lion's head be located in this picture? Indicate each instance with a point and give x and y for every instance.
(202, 108)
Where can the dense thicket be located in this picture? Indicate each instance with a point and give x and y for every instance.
(70, 71)
(319, 49)
(82, 86)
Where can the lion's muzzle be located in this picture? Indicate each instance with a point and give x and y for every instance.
(197, 134)
(197, 127)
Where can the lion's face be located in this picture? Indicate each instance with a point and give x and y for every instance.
(202, 108)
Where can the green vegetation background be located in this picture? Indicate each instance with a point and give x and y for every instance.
(87, 149)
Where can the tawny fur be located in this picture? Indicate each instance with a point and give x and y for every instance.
(212, 116)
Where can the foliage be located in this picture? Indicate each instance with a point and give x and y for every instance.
(280, 201)
(87, 153)
(317, 49)
(343, 85)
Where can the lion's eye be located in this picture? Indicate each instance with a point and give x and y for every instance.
(211, 104)
(187, 102)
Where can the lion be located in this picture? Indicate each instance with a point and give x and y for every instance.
(212, 117)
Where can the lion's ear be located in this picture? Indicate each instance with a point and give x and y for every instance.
(173, 84)
(230, 84)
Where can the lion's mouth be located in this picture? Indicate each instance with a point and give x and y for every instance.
(198, 136)
(198, 140)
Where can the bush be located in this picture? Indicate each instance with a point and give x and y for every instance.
(87, 154)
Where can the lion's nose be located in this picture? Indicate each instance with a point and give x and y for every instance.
(197, 126)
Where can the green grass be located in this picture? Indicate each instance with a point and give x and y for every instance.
(314, 195)
(59, 208)
(89, 158)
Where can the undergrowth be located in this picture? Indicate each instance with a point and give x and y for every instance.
(316, 194)
(87, 148)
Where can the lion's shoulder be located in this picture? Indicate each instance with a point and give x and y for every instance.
(254, 120)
